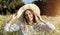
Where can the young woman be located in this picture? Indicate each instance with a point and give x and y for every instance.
(30, 21)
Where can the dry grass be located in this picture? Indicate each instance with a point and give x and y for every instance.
(55, 20)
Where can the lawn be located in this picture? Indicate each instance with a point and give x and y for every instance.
(54, 20)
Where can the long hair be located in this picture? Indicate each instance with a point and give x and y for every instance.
(24, 17)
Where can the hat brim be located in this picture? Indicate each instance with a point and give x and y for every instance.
(33, 7)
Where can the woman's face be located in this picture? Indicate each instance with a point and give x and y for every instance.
(29, 15)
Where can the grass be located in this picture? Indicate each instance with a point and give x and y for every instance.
(54, 20)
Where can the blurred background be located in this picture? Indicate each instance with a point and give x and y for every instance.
(50, 11)
(47, 7)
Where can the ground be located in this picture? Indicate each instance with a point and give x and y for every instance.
(54, 20)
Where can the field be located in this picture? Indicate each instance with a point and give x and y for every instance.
(55, 20)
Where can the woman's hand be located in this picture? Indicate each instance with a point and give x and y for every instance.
(13, 17)
(40, 18)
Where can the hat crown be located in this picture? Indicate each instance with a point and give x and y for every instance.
(33, 7)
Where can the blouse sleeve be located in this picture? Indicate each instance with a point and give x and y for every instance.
(47, 26)
(11, 28)
(50, 25)
(44, 26)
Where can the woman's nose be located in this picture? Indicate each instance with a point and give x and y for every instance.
(29, 16)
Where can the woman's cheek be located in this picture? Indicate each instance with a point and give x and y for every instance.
(31, 17)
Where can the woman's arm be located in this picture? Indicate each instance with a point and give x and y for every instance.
(9, 27)
(46, 25)
(12, 17)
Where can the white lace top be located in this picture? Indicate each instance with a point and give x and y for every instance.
(29, 29)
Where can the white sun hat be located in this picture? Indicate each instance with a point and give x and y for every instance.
(33, 7)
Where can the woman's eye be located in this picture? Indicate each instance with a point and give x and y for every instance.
(26, 15)
(29, 14)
